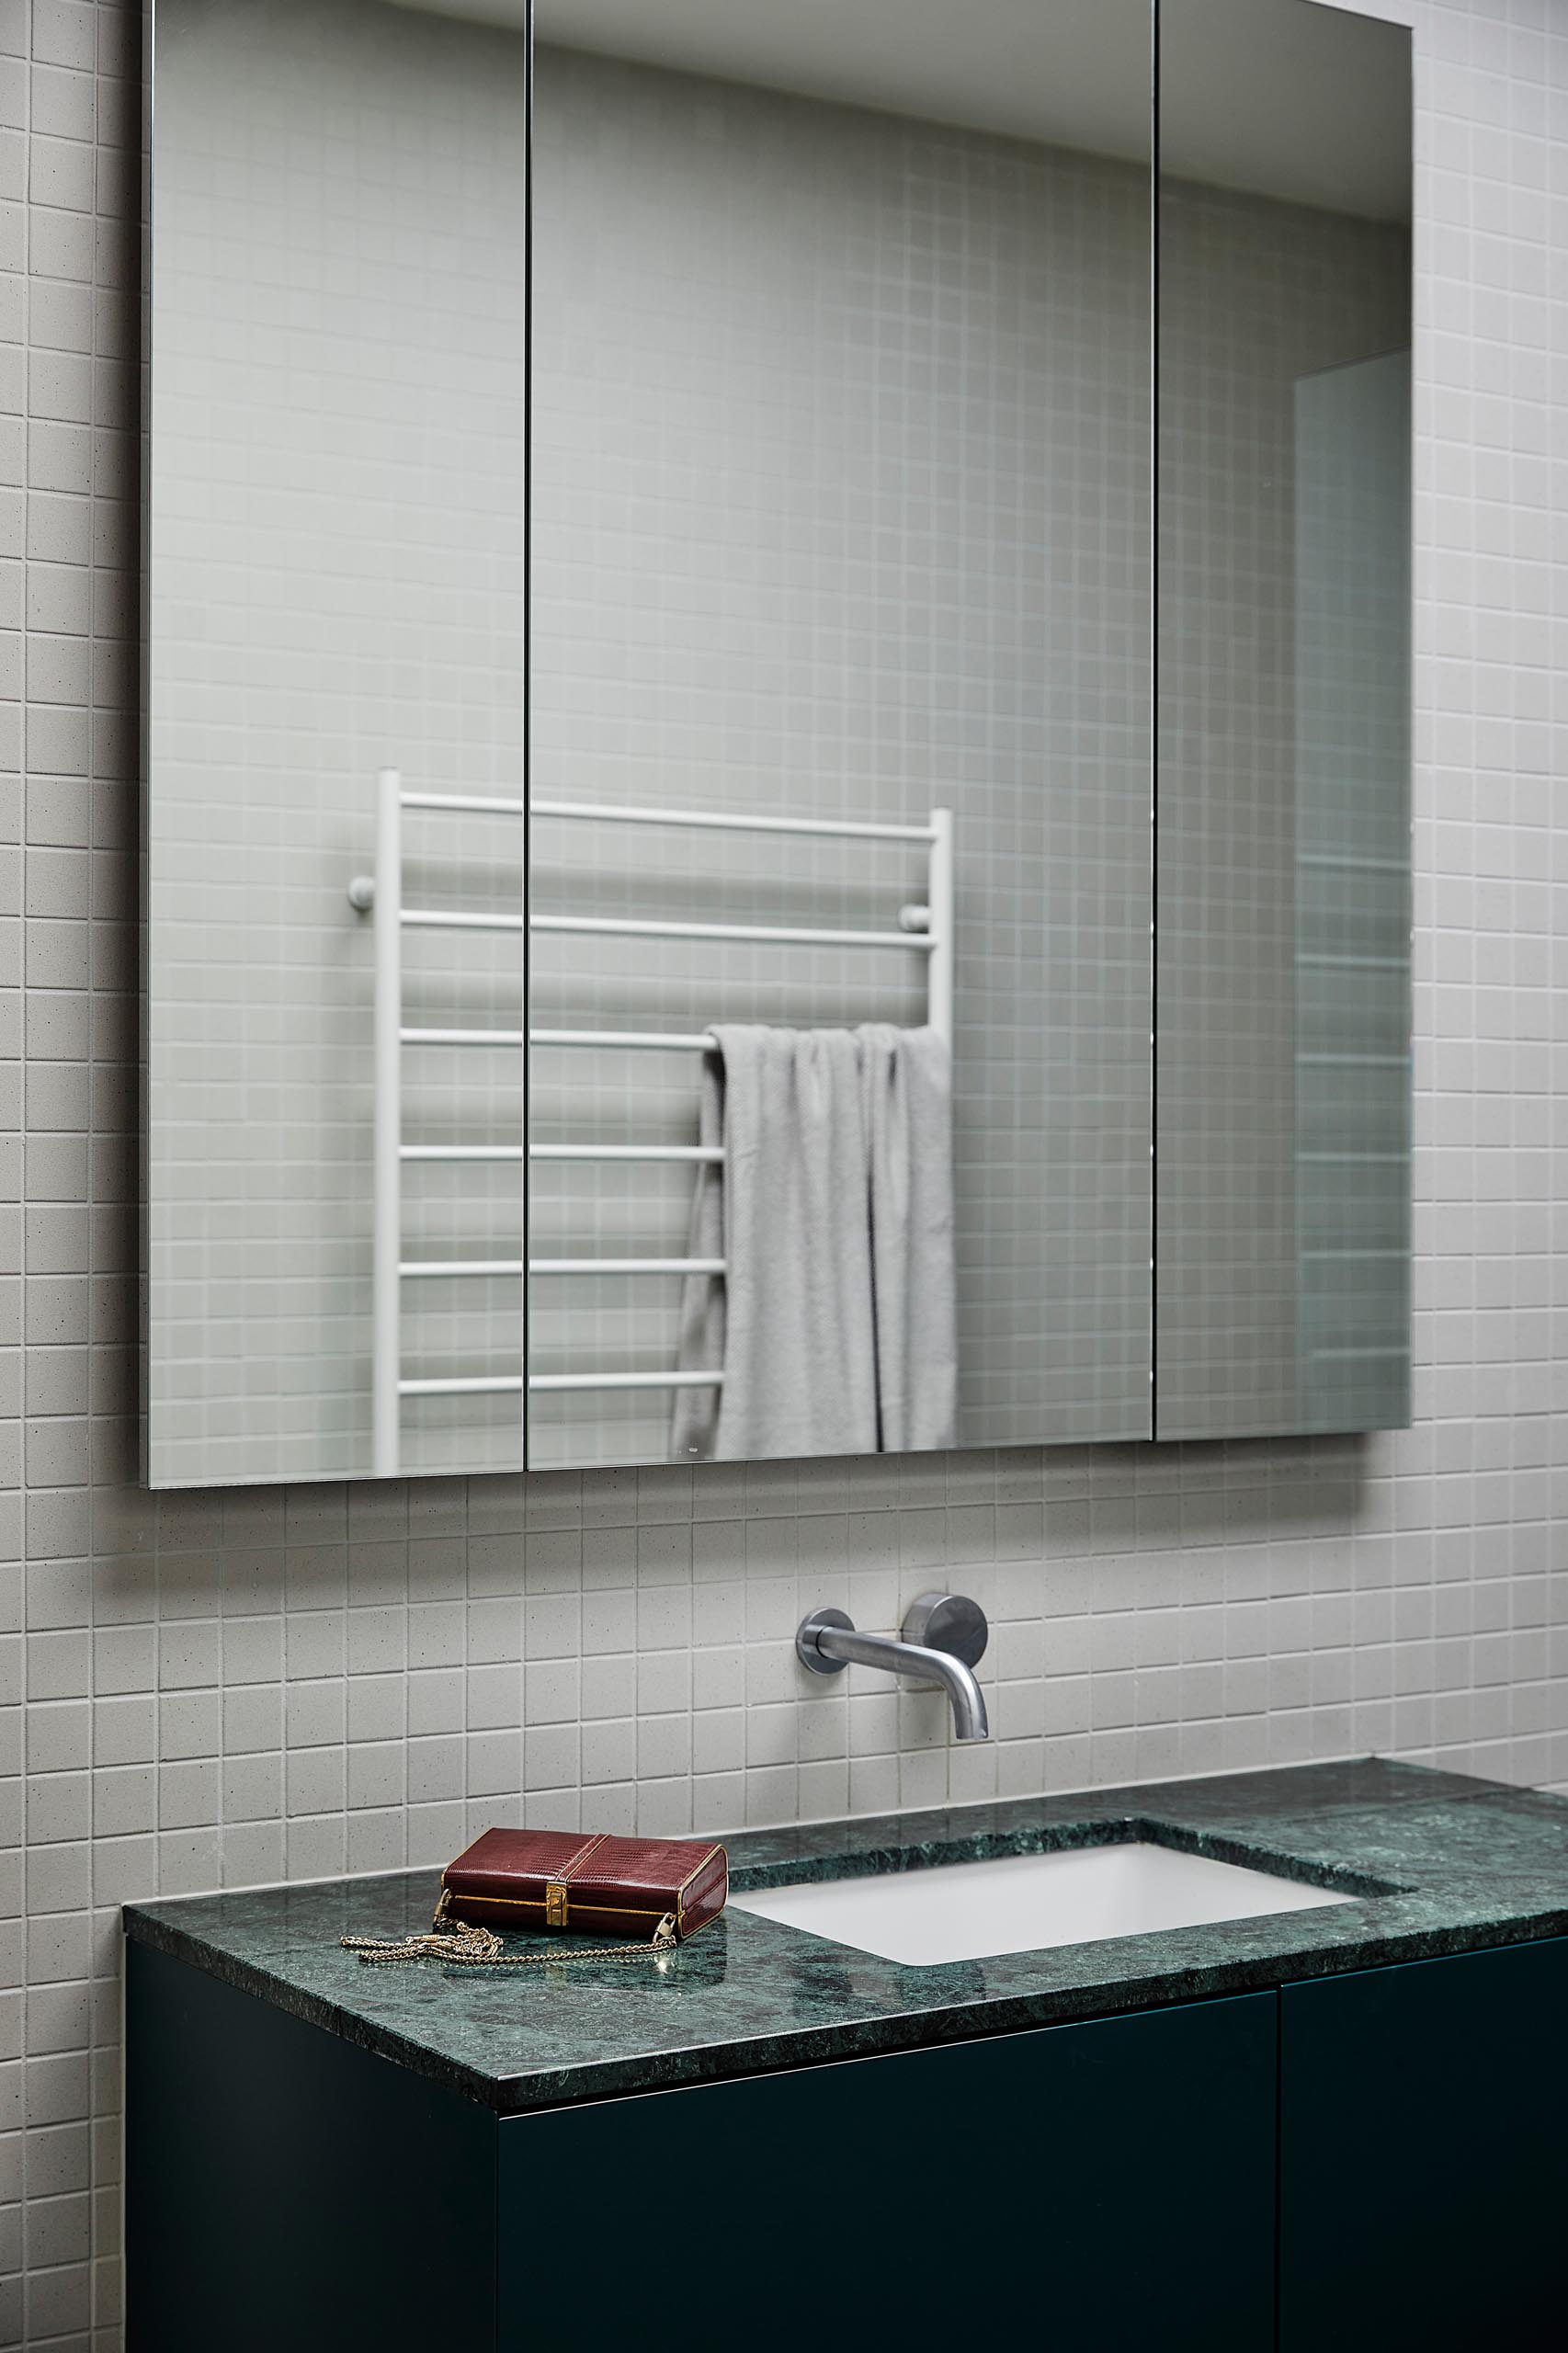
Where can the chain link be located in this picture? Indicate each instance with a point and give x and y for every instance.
(467, 1946)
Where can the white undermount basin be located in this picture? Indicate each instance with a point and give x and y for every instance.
(965, 1911)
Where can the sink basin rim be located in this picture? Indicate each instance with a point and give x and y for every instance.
(1131, 1879)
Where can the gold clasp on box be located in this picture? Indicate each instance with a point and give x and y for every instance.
(554, 1904)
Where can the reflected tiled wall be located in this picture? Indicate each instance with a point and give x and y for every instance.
(337, 486)
(1352, 911)
(772, 575)
(227, 1688)
(1253, 295)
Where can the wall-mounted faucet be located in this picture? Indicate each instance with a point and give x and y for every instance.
(944, 1635)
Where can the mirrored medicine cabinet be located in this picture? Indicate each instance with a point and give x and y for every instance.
(778, 729)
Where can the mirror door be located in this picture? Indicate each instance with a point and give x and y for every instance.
(840, 725)
(1283, 797)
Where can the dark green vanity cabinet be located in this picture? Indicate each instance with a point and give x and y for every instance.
(1375, 2162)
(285, 2190)
(1108, 2184)
(1343, 2130)
(1424, 2156)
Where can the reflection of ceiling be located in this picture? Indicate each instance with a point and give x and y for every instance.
(1289, 99)
(1292, 98)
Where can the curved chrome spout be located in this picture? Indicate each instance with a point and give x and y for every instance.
(827, 1641)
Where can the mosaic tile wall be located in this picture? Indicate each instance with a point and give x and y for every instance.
(226, 1688)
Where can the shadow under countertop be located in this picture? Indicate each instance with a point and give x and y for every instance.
(1468, 1864)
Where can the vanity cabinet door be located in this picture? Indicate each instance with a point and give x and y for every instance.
(1424, 2155)
(1108, 2185)
(287, 2192)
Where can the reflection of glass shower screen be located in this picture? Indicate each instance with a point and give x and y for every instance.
(1352, 733)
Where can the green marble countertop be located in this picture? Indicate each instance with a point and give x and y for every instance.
(1439, 1862)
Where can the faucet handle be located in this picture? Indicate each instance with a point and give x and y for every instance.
(948, 1621)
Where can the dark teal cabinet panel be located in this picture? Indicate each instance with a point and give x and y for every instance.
(1376, 2163)
(1108, 2185)
(1105, 2185)
(1423, 2148)
(286, 2191)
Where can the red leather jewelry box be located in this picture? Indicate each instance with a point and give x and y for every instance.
(597, 1887)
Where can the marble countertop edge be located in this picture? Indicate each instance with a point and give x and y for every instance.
(550, 2085)
(1435, 1864)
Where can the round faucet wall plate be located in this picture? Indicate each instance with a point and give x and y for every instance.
(806, 1649)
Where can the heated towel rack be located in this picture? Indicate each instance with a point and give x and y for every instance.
(924, 929)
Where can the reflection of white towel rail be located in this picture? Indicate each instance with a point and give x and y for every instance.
(503, 1385)
(693, 1151)
(561, 1267)
(626, 1380)
(388, 1193)
(637, 927)
(626, 1266)
(678, 1041)
(686, 1041)
(926, 931)
(560, 1152)
(720, 822)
